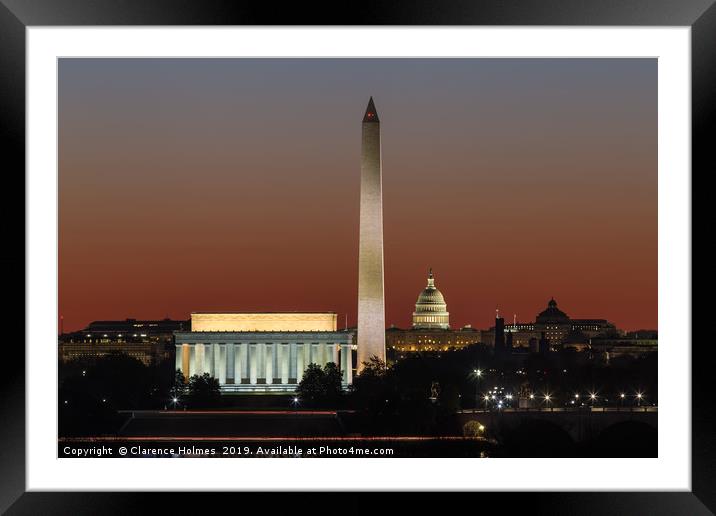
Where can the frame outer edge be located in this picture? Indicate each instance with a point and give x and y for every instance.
(12, 260)
(703, 120)
(12, 127)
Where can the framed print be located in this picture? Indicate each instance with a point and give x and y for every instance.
(432, 249)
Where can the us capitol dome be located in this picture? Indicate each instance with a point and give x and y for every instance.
(431, 309)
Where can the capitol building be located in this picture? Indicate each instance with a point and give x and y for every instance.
(430, 330)
(431, 309)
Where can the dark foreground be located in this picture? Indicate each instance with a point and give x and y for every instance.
(326, 433)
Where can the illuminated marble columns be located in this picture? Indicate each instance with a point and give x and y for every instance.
(334, 354)
(186, 351)
(209, 359)
(253, 363)
(347, 363)
(242, 362)
(230, 363)
(244, 375)
(270, 358)
(300, 361)
(220, 362)
(284, 352)
(307, 347)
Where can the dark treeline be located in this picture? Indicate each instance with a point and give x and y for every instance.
(417, 394)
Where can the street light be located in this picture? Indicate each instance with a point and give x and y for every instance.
(547, 399)
(639, 396)
(593, 397)
(478, 374)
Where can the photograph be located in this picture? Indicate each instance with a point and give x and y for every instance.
(357, 257)
(433, 248)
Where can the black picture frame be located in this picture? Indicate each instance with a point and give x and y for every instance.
(17, 15)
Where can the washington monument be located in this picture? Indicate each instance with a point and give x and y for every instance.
(371, 302)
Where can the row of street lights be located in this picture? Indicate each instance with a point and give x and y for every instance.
(547, 398)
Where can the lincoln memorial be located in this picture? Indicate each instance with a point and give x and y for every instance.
(262, 352)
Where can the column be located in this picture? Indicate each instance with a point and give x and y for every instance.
(300, 361)
(209, 359)
(334, 354)
(200, 359)
(275, 363)
(177, 358)
(306, 355)
(283, 357)
(230, 363)
(349, 365)
(192, 359)
(313, 354)
(245, 367)
(322, 354)
(327, 355)
(269, 358)
(253, 363)
(261, 362)
(238, 363)
(185, 360)
(344, 362)
(220, 363)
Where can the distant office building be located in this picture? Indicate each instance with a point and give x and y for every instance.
(430, 331)
(262, 352)
(630, 345)
(556, 328)
(149, 341)
(412, 340)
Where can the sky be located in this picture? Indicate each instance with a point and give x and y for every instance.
(233, 184)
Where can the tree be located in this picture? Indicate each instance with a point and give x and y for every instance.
(124, 381)
(179, 387)
(91, 392)
(370, 382)
(473, 428)
(320, 386)
(203, 391)
(372, 391)
(332, 380)
(310, 388)
(373, 371)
